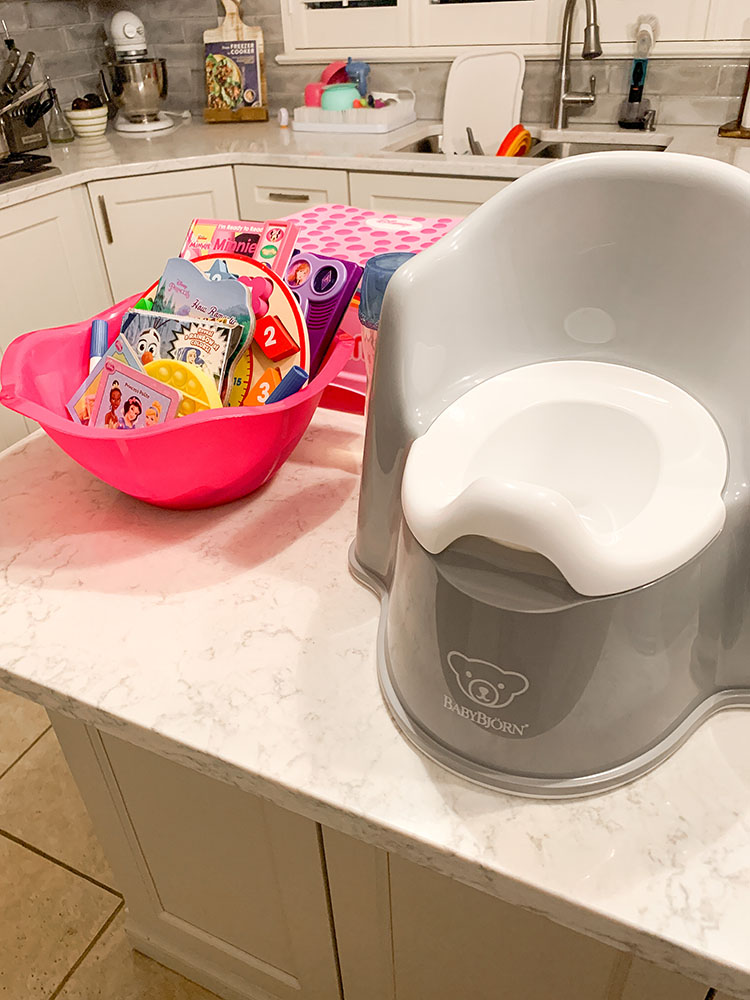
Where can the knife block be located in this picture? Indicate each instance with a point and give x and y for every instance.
(19, 137)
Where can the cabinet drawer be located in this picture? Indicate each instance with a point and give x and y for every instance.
(409, 194)
(273, 192)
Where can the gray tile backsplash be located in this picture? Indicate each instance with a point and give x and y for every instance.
(68, 36)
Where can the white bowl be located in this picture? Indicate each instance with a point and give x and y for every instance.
(86, 114)
(89, 122)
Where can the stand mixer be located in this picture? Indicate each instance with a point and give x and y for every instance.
(135, 82)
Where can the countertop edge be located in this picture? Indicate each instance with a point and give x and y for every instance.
(231, 145)
(605, 928)
(379, 159)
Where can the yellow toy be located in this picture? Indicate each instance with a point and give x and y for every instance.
(197, 388)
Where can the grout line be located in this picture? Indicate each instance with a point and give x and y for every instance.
(61, 864)
(86, 950)
(24, 752)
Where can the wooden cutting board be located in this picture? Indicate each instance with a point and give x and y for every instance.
(235, 70)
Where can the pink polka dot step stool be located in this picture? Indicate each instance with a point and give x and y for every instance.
(357, 234)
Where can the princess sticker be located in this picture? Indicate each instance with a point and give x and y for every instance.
(129, 401)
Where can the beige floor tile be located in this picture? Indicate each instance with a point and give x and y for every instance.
(111, 971)
(40, 804)
(48, 916)
(21, 722)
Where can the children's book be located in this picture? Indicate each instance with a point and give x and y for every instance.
(184, 291)
(129, 400)
(81, 404)
(270, 242)
(207, 344)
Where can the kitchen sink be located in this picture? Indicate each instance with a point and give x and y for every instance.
(425, 144)
(556, 149)
(430, 144)
(560, 150)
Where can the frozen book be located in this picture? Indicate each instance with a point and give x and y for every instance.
(128, 400)
(205, 343)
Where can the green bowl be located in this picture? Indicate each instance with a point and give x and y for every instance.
(339, 96)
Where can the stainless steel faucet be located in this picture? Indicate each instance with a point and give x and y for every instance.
(565, 99)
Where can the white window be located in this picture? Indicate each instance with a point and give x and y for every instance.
(321, 24)
(320, 30)
(404, 24)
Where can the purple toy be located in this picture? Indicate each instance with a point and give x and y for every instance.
(323, 286)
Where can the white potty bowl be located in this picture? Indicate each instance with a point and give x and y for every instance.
(613, 474)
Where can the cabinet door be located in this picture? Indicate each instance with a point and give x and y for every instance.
(142, 221)
(410, 195)
(53, 273)
(646, 981)
(406, 933)
(728, 19)
(273, 192)
(220, 885)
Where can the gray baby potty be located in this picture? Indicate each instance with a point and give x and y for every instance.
(554, 505)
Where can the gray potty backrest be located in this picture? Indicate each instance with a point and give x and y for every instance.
(633, 258)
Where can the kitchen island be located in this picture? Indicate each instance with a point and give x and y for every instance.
(211, 677)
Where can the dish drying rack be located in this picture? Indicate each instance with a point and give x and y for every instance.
(395, 115)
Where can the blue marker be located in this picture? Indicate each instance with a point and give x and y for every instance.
(99, 342)
(293, 381)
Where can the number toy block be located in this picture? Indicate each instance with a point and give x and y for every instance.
(263, 388)
(274, 339)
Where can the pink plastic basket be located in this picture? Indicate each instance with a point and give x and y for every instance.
(197, 461)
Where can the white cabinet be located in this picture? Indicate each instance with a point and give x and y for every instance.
(221, 886)
(679, 20)
(430, 24)
(142, 221)
(407, 194)
(273, 192)
(646, 981)
(253, 901)
(406, 933)
(728, 19)
(52, 271)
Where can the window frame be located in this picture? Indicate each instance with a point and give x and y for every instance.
(420, 31)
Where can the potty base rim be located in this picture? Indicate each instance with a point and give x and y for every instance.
(515, 784)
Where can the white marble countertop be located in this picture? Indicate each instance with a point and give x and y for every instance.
(236, 641)
(195, 144)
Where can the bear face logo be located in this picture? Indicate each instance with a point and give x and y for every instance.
(486, 684)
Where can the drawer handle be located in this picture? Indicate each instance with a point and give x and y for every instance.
(283, 196)
(105, 219)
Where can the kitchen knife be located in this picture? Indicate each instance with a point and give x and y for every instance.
(9, 67)
(24, 72)
(38, 110)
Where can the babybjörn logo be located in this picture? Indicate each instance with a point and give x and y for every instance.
(486, 684)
